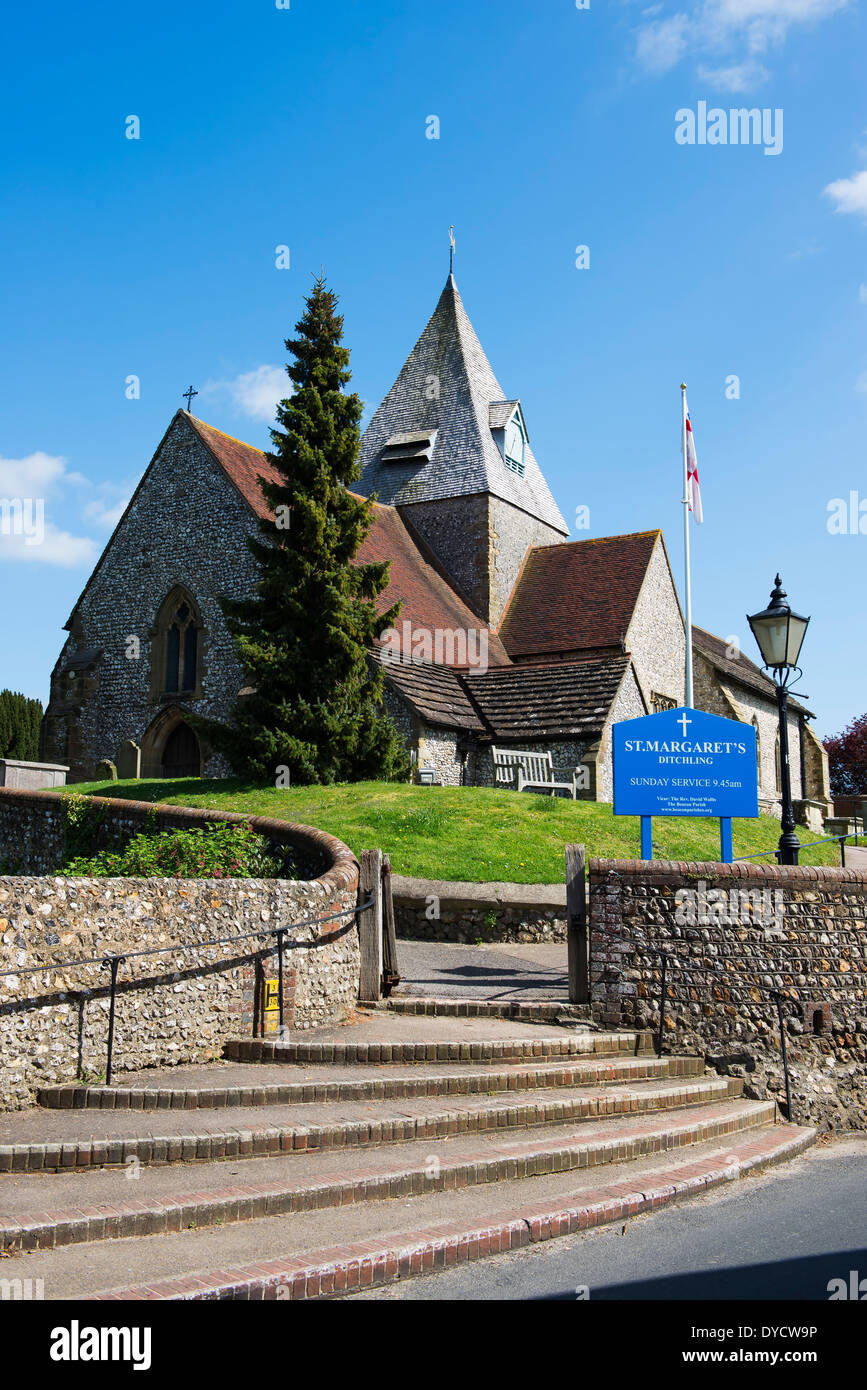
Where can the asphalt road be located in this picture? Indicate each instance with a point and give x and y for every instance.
(783, 1234)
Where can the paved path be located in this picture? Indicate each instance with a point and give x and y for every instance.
(782, 1234)
(495, 971)
(856, 858)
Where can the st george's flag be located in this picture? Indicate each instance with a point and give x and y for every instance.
(693, 489)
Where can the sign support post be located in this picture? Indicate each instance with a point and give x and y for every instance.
(646, 837)
(725, 839)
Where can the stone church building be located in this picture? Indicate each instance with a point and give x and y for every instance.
(511, 636)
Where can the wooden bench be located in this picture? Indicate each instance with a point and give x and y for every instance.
(532, 772)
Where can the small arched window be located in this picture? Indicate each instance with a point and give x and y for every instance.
(177, 647)
(755, 724)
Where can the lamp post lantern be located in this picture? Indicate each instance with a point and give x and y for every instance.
(780, 633)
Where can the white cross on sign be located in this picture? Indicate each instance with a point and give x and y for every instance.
(683, 721)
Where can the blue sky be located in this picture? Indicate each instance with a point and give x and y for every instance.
(307, 127)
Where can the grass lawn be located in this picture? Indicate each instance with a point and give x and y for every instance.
(466, 833)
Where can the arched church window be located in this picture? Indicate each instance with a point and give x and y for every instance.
(182, 642)
(177, 643)
(755, 724)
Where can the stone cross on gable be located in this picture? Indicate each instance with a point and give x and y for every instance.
(188, 395)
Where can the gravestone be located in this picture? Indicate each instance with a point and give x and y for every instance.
(129, 760)
(105, 771)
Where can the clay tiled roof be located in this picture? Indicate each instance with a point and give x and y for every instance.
(429, 601)
(577, 597)
(571, 699)
(740, 669)
(242, 462)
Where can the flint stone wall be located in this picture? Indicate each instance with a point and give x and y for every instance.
(437, 910)
(812, 946)
(178, 1007)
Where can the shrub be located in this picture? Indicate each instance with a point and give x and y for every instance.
(218, 850)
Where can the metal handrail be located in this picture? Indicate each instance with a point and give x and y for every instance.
(776, 994)
(112, 962)
(826, 840)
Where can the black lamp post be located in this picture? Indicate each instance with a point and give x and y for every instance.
(780, 633)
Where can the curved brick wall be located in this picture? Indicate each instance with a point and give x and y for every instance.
(178, 1007)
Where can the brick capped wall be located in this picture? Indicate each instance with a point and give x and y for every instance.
(806, 938)
(177, 1007)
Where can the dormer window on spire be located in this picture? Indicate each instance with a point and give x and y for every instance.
(506, 420)
(515, 445)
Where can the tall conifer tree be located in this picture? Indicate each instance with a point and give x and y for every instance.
(304, 638)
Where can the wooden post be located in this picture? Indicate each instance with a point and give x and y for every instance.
(390, 972)
(576, 926)
(370, 926)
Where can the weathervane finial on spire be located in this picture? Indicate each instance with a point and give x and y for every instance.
(452, 248)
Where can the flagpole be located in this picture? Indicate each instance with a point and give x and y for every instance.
(688, 684)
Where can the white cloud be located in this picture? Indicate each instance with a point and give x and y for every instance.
(32, 476)
(256, 393)
(105, 513)
(737, 77)
(30, 488)
(862, 293)
(850, 195)
(662, 44)
(861, 384)
(733, 32)
(48, 545)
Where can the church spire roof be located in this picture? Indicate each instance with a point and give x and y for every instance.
(442, 430)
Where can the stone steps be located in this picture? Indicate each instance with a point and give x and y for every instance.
(530, 1011)
(62, 1139)
(328, 1251)
(435, 1166)
(342, 1084)
(498, 1049)
(374, 1150)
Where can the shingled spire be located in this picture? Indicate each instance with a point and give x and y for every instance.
(446, 431)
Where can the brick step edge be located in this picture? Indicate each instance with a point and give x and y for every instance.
(588, 1072)
(629, 1044)
(370, 1264)
(269, 1141)
(124, 1220)
(549, 1011)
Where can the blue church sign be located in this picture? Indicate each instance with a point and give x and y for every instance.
(684, 762)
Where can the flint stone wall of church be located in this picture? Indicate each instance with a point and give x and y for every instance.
(628, 704)
(810, 943)
(656, 639)
(186, 526)
(173, 1008)
(481, 541)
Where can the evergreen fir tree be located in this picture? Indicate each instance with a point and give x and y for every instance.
(304, 638)
(20, 721)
